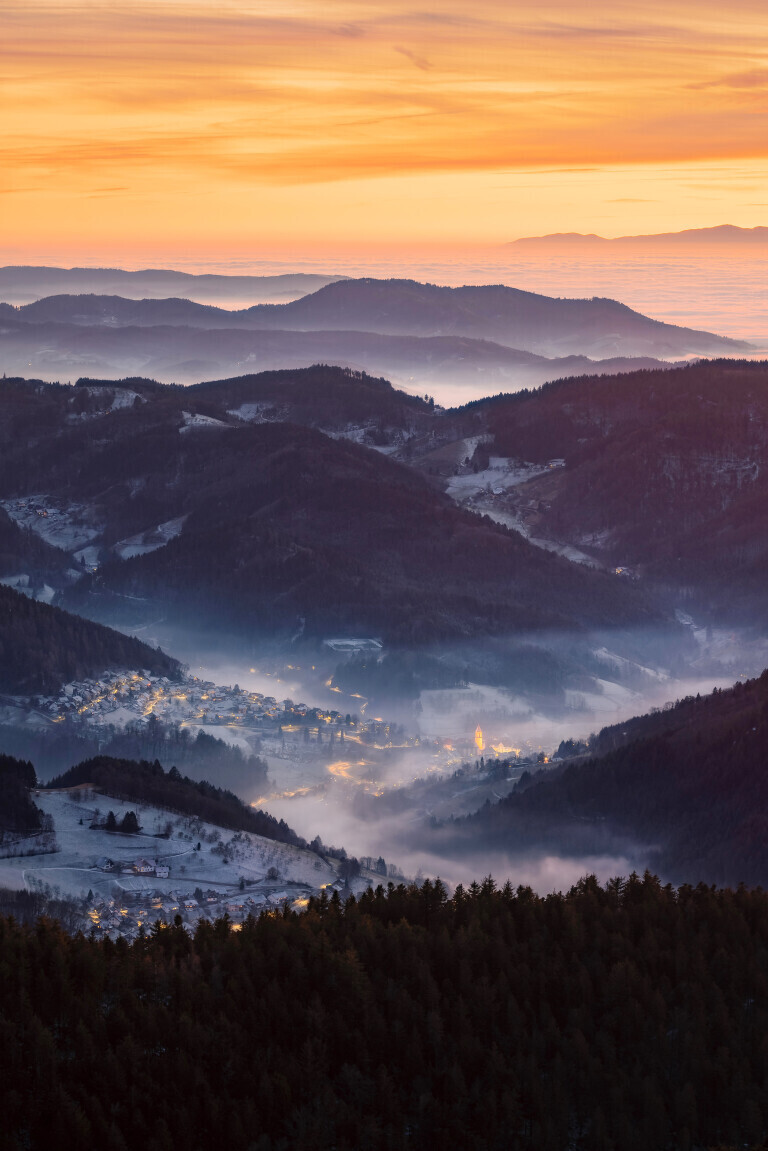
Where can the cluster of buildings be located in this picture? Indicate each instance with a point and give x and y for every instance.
(141, 866)
(133, 912)
(121, 697)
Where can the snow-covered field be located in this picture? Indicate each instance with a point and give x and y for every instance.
(150, 540)
(239, 872)
(197, 421)
(66, 526)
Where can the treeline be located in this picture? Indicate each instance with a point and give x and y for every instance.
(631, 1016)
(29, 906)
(143, 782)
(55, 748)
(42, 647)
(18, 814)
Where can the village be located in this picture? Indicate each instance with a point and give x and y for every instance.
(238, 716)
(172, 869)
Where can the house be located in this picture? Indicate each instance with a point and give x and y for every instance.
(144, 866)
(162, 870)
(190, 904)
(104, 864)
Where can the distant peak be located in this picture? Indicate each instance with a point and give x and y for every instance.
(719, 234)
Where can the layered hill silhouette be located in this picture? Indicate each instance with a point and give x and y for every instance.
(722, 235)
(20, 284)
(525, 321)
(492, 338)
(181, 354)
(509, 316)
(687, 786)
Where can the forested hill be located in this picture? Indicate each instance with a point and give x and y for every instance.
(285, 525)
(688, 785)
(144, 782)
(43, 647)
(666, 473)
(261, 526)
(519, 319)
(626, 1018)
(527, 321)
(24, 553)
(324, 397)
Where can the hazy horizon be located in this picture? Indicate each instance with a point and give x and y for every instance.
(721, 291)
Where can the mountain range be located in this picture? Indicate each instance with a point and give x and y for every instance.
(723, 234)
(19, 284)
(276, 527)
(268, 513)
(181, 354)
(658, 472)
(491, 338)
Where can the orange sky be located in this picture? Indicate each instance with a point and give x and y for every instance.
(237, 127)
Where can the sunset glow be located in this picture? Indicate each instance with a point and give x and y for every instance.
(283, 126)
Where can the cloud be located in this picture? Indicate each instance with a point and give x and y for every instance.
(174, 94)
(755, 78)
(419, 61)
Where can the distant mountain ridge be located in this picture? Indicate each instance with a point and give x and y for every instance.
(22, 283)
(509, 316)
(721, 234)
(494, 337)
(177, 353)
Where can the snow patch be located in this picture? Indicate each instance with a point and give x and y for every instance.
(89, 557)
(150, 540)
(197, 421)
(20, 582)
(259, 412)
(620, 664)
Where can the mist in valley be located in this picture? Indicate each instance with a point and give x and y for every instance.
(377, 799)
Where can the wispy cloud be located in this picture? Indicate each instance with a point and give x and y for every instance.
(291, 93)
(754, 78)
(418, 61)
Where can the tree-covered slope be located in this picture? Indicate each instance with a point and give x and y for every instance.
(42, 647)
(687, 786)
(18, 814)
(278, 528)
(285, 525)
(147, 783)
(666, 472)
(631, 1017)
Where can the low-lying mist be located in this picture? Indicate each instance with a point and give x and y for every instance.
(400, 802)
